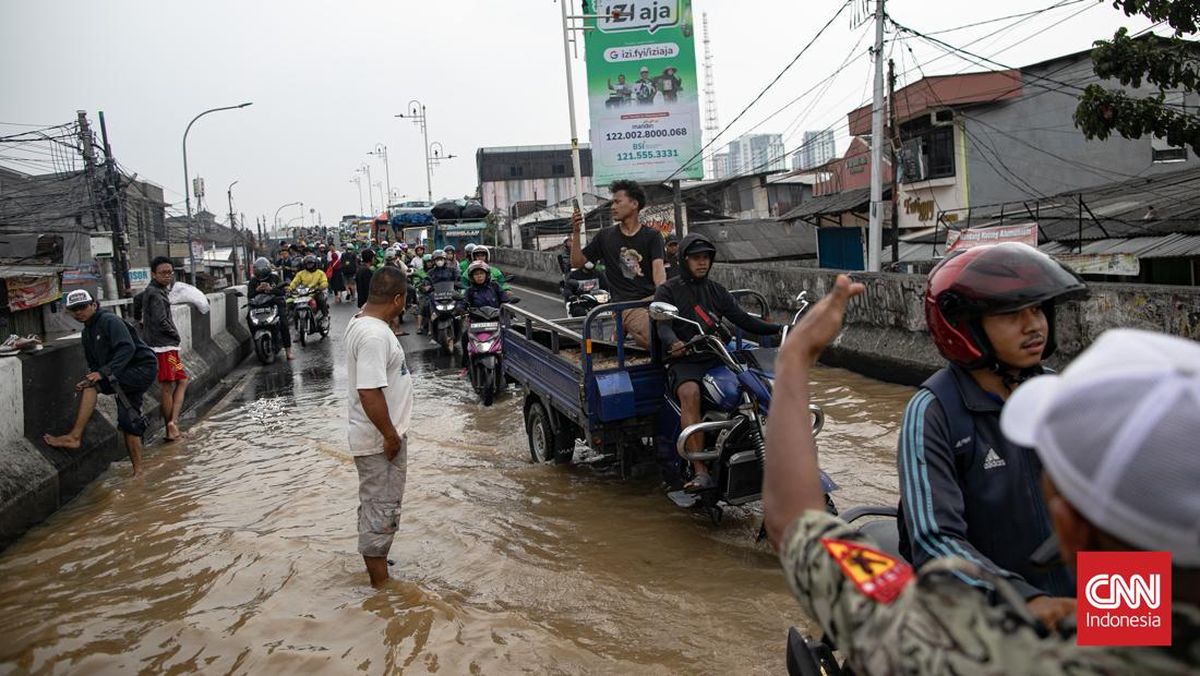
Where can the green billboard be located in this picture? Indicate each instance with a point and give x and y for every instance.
(643, 91)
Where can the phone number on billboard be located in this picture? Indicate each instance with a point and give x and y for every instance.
(651, 133)
(646, 155)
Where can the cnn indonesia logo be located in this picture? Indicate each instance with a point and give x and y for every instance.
(1124, 598)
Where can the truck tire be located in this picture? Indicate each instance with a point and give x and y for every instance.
(546, 445)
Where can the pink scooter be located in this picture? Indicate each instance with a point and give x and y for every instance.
(485, 353)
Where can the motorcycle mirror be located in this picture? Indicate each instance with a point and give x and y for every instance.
(663, 311)
(802, 297)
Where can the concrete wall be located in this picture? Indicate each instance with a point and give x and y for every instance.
(885, 336)
(37, 396)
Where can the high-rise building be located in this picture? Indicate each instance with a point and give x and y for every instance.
(756, 153)
(818, 148)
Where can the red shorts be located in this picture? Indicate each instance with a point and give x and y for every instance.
(170, 369)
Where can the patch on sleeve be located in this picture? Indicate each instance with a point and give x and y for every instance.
(877, 575)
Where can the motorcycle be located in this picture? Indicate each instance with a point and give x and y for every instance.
(264, 322)
(445, 326)
(485, 353)
(583, 295)
(305, 316)
(736, 399)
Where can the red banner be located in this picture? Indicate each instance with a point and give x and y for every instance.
(25, 292)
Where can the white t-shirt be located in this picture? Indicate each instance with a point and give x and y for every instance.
(375, 359)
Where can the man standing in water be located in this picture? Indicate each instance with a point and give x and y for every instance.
(381, 399)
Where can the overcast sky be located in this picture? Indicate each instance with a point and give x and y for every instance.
(326, 79)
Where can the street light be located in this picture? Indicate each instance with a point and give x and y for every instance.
(187, 192)
(289, 204)
(366, 169)
(416, 113)
(381, 151)
(357, 180)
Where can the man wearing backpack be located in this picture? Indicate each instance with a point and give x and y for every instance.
(965, 489)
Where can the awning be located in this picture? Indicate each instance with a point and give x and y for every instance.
(30, 286)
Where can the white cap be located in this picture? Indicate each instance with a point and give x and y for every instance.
(1119, 433)
(78, 298)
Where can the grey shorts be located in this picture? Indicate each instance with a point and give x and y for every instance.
(380, 492)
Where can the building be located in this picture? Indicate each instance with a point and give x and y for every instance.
(817, 149)
(755, 153)
(720, 165)
(984, 143)
(762, 195)
(535, 176)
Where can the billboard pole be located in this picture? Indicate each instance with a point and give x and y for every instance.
(575, 163)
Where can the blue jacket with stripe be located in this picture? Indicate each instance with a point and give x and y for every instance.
(966, 491)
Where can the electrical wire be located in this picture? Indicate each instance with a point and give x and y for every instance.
(762, 93)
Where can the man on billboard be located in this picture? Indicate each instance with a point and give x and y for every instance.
(620, 92)
(669, 84)
(644, 89)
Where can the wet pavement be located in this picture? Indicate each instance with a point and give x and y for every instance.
(236, 552)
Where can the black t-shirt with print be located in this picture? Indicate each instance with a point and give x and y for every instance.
(628, 261)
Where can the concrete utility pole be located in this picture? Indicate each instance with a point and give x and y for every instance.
(875, 227)
(895, 146)
(233, 226)
(112, 204)
(88, 150)
(366, 169)
(357, 180)
(575, 163)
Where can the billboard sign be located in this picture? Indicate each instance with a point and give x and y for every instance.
(643, 90)
(1026, 233)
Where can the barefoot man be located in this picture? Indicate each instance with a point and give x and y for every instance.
(159, 332)
(381, 399)
(113, 353)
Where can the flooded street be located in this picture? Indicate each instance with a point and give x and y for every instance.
(236, 553)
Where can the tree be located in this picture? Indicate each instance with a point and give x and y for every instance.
(1170, 64)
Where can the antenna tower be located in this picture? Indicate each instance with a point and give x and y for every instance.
(711, 126)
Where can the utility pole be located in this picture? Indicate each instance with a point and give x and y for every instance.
(357, 180)
(678, 208)
(575, 164)
(233, 226)
(381, 150)
(88, 150)
(875, 227)
(112, 203)
(895, 146)
(366, 169)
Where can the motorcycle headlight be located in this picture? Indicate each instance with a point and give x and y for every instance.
(601, 296)
(445, 307)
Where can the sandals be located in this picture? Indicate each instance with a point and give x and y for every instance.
(15, 345)
(701, 482)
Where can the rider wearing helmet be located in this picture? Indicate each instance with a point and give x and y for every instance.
(706, 302)
(482, 291)
(451, 254)
(314, 278)
(442, 271)
(990, 312)
(265, 280)
(467, 258)
(481, 253)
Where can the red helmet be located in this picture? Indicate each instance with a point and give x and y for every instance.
(992, 279)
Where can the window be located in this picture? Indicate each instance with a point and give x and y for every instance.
(928, 149)
(515, 171)
(560, 169)
(1161, 151)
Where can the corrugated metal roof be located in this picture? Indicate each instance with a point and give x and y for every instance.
(849, 200)
(759, 239)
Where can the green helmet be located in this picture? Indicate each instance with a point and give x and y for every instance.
(427, 257)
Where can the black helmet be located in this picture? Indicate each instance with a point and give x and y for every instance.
(310, 260)
(262, 267)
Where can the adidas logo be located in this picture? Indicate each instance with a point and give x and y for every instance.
(992, 461)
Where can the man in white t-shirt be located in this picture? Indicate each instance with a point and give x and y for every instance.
(381, 400)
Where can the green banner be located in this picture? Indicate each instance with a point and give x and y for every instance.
(643, 90)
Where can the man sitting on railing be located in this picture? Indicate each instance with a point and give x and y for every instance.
(705, 302)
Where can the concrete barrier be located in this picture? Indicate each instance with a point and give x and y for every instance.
(886, 337)
(37, 395)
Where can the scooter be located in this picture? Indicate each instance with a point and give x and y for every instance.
(445, 316)
(304, 313)
(485, 348)
(736, 399)
(264, 322)
(583, 294)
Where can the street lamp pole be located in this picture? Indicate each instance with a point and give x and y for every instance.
(366, 169)
(416, 113)
(275, 220)
(357, 180)
(187, 188)
(381, 150)
(236, 233)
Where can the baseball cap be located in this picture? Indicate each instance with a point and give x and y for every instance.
(1117, 432)
(78, 298)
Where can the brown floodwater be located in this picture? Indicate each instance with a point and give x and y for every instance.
(236, 553)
